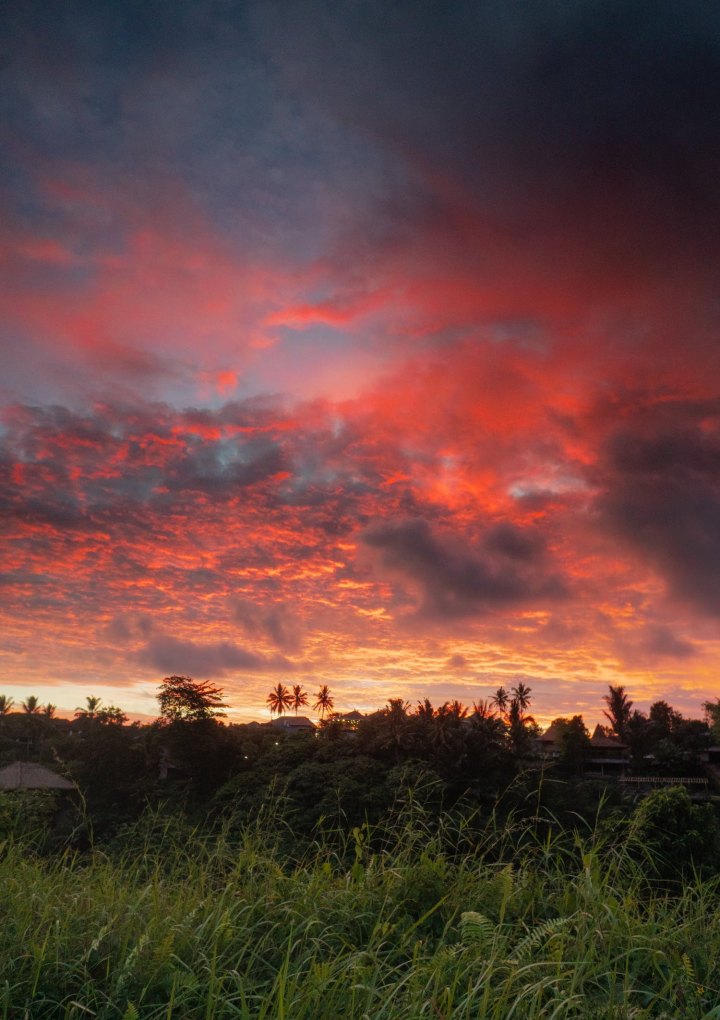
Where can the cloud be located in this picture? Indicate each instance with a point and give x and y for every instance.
(661, 495)
(277, 623)
(212, 659)
(589, 111)
(505, 570)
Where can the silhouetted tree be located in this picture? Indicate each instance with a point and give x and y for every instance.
(299, 698)
(389, 730)
(619, 710)
(31, 705)
(90, 711)
(182, 698)
(520, 725)
(425, 710)
(664, 720)
(279, 699)
(501, 700)
(482, 709)
(324, 701)
(6, 704)
(521, 694)
(574, 743)
(49, 710)
(638, 738)
(111, 715)
(712, 715)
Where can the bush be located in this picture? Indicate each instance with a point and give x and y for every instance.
(678, 834)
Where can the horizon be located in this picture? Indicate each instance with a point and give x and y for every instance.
(368, 347)
(228, 712)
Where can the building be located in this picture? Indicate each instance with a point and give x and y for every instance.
(608, 755)
(294, 724)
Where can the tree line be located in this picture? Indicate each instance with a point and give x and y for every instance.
(194, 760)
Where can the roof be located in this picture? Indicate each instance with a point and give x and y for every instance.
(294, 722)
(552, 735)
(599, 739)
(25, 775)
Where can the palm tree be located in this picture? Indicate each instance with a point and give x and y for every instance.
(395, 716)
(521, 694)
(49, 710)
(425, 710)
(482, 710)
(324, 701)
(518, 733)
(279, 699)
(299, 698)
(31, 705)
(500, 700)
(93, 704)
(6, 704)
(619, 710)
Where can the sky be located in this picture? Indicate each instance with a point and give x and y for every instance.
(370, 344)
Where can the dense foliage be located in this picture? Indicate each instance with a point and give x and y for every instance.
(425, 916)
(407, 864)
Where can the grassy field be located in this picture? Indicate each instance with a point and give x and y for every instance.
(419, 923)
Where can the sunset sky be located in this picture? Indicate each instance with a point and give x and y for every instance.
(371, 344)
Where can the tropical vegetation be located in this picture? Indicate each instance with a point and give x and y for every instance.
(420, 862)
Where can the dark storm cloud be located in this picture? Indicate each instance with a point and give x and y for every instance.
(216, 658)
(458, 580)
(661, 494)
(588, 112)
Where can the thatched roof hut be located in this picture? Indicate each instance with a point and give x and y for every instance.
(26, 775)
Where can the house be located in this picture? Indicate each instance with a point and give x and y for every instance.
(294, 724)
(348, 720)
(608, 755)
(550, 744)
(25, 775)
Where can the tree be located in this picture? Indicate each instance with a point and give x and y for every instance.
(457, 709)
(520, 725)
(619, 710)
(712, 715)
(299, 698)
(500, 700)
(483, 709)
(182, 698)
(425, 710)
(324, 701)
(521, 694)
(279, 699)
(518, 731)
(31, 705)
(49, 710)
(574, 742)
(93, 705)
(6, 704)
(677, 834)
(111, 716)
(664, 720)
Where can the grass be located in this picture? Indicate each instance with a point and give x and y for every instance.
(192, 925)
